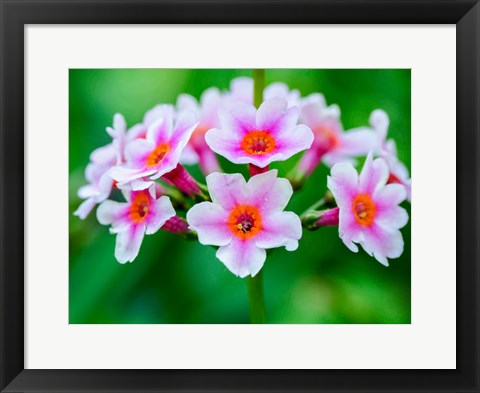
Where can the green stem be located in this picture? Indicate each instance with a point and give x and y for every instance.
(258, 86)
(256, 299)
(327, 200)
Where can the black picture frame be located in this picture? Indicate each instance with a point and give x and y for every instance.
(15, 14)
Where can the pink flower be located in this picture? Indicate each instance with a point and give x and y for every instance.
(158, 154)
(245, 219)
(259, 137)
(387, 149)
(369, 214)
(96, 191)
(331, 144)
(102, 160)
(130, 221)
(206, 112)
(241, 89)
(188, 156)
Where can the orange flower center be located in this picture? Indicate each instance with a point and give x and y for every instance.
(364, 209)
(245, 221)
(258, 142)
(139, 207)
(158, 154)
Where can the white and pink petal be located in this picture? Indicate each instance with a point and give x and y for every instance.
(343, 183)
(383, 244)
(226, 144)
(241, 88)
(268, 192)
(273, 116)
(357, 142)
(128, 243)
(242, 258)
(137, 151)
(124, 175)
(282, 229)
(184, 127)
(374, 175)
(158, 112)
(209, 220)
(238, 118)
(104, 156)
(294, 141)
(227, 190)
(161, 211)
(388, 213)
(160, 131)
(113, 213)
(85, 208)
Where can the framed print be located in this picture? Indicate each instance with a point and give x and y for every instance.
(239, 196)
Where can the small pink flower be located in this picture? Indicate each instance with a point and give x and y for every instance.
(241, 89)
(245, 219)
(369, 211)
(102, 160)
(259, 137)
(130, 221)
(188, 156)
(331, 144)
(96, 191)
(206, 111)
(156, 155)
(387, 149)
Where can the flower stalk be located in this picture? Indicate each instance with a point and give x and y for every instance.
(258, 86)
(256, 299)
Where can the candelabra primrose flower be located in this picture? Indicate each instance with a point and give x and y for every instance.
(369, 211)
(96, 191)
(245, 218)
(332, 144)
(156, 155)
(142, 214)
(259, 137)
(387, 149)
(102, 160)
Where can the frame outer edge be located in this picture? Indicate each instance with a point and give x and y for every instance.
(11, 241)
(468, 195)
(11, 195)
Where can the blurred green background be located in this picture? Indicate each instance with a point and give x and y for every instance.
(178, 281)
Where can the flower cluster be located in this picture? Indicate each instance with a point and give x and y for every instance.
(147, 167)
